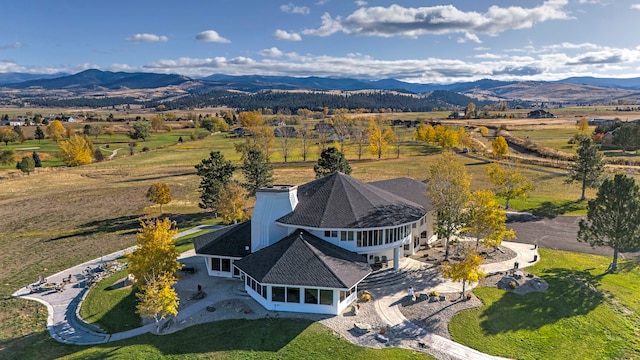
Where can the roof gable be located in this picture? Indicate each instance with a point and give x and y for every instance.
(324, 264)
(232, 240)
(340, 201)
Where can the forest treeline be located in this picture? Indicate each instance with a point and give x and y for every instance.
(284, 102)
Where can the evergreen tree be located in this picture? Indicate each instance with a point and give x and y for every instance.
(36, 159)
(98, 156)
(588, 166)
(331, 160)
(613, 217)
(26, 165)
(18, 130)
(39, 135)
(257, 170)
(215, 173)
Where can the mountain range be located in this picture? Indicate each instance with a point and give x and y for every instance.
(575, 89)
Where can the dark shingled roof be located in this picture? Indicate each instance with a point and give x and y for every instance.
(305, 260)
(340, 201)
(410, 189)
(228, 241)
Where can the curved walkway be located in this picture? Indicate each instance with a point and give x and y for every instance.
(64, 325)
(389, 298)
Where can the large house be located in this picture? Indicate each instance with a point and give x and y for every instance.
(308, 247)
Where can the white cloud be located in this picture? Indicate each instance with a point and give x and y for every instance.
(211, 36)
(361, 2)
(290, 8)
(15, 45)
(147, 38)
(397, 20)
(329, 26)
(635, 6)
(284, 35)
(271, 52)
(488, 56)
(522, 65)
(469, 37)
(321, 2)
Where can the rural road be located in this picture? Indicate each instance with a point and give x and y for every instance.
(557, 233)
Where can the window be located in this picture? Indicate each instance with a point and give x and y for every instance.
(277, 294)
(346, 235)
(310, 296)
(327, 233)
(293, 295)
(264, 292)
(331, 233)
(215, 264)
(326, 297)
(236, 271)
(334, 233)
(226, 265)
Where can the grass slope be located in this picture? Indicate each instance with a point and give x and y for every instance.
(585, 314)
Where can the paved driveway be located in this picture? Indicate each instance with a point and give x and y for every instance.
(555, 233)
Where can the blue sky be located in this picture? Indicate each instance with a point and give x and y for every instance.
(415, 41)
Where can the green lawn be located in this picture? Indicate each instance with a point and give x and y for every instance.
(243, 339)
(111, 309)
(585, 314)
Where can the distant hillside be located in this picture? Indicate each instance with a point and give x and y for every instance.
(96, 79)
(13, 78)
(151, 86)
(630, 83)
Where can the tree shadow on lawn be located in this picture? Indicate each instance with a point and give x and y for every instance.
(550, 209)
(263, 335)
(122, 316)
(124, 224)
(130, 224)
(570, 293)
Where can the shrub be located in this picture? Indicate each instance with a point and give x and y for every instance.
(145, 149)
(512, 284)
(434, 293)
(365, 296)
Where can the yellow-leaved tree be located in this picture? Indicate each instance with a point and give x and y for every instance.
(500, 147)
(56, 130)
(77, 150)
(231, 202)
(468, 270)
(156, 253)
(157, 298)
(583, 125)
(448, 189)
(486, 220)
(159, 193)
(509, 183)
(379, 139)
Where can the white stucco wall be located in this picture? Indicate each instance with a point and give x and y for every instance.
(271, 204)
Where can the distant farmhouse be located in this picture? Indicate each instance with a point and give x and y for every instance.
(600, 121)
(540, 114)
(307, 247)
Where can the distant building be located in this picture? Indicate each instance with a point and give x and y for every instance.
(540, 114)
(600, 121)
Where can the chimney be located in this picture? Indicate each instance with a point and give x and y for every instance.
(272, 203)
